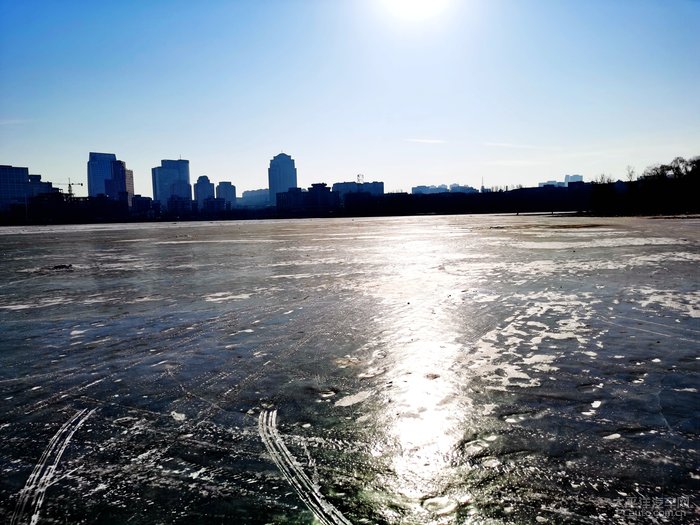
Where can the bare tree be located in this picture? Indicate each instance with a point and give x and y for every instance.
(680, 167)
(631, 174)
(656, 172)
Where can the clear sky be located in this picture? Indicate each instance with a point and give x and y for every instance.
(404, 91)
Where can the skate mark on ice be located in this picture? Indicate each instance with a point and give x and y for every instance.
(34, 490)
(307, 490)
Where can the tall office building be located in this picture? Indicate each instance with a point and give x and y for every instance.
(99, 170)
(203, 190)
(109, 176)
(282, 175)
(120, 186)
(227, 191)
(129, 180)
(171, 179)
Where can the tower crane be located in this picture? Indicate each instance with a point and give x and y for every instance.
(70, 186)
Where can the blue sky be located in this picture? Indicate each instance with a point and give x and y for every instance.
(512, 91)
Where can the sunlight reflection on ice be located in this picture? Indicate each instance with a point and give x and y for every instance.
(422, 411)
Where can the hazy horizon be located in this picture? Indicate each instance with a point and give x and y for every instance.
(407, 93)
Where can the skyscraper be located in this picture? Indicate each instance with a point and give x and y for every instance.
(227, 191)
(109, 176)
(120, 186)
(99, 170)
(282, 175)
(171, 179)
(203, 190)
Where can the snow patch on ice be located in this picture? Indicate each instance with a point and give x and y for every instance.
(612, 436)
(221, 297)
(353, 399)
(688, 303)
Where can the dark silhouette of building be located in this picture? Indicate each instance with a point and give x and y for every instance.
(180, 207)
(428, 190)
(255, 198)
(121, 185)
(291, 201)
(172, 179)
(109, 176)
(442, 188)
(203, 190)
(461, 188)
(17, 186)
(568, 179)
(282, 175)
(99, 171)
(318, 200)
(142, 208)
(61, 208)
(345, 188)
(321, 198)
(213, 207)
(226, 191)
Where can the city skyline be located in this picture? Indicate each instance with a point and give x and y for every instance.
(516, 93)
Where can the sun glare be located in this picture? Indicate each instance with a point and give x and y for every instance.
(415, 10)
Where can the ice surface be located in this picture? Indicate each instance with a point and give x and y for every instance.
(489, 369)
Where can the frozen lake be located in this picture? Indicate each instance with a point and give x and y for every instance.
(398, 370)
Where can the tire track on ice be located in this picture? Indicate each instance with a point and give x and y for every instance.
(39, 480)
(308, 491)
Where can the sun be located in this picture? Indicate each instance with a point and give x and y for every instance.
(415, 10)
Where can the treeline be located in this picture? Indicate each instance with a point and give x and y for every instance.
(678, 169)
(661, 189)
